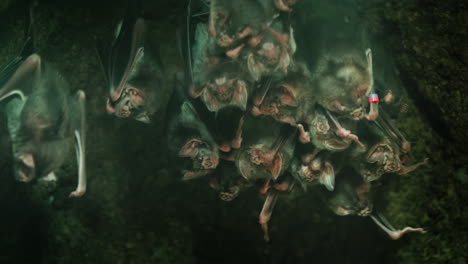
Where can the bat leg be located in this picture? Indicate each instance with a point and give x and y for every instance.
(80, 148)
(374, 107)
(234, 53)
(304, 137)
(265, 187)
(266, 212)
(211, 23)
(343, 132)
(394, 234)
(282, 38)
(237, 141)
(255, 40)
(373, 112)
(190, 175)
(370, 71)
(28, 71)
(245, 32)
(408, 169)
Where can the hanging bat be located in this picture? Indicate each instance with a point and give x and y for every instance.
(352, 197)
(340, 54)
(268, 149)
(42, 119)
(132, 71)
(188, 137)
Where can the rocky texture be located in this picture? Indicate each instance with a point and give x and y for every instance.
(429, 40)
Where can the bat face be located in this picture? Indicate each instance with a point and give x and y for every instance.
(188, 137)
(345, 89)
(204, 159)
(267, 58)
(130, 103)
(266, 156)
(280, 102)
(229, 22)
(224, 91)
(324, 136)
(258, 161)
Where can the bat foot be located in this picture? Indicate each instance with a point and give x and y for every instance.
(77, 193)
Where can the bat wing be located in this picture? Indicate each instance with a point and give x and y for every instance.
(19, 76)
(80, 136)
(119, 56)
(197, 12)
(8, 69)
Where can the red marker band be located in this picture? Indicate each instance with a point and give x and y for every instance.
(373, 98)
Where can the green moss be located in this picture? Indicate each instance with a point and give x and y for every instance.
(427, 40)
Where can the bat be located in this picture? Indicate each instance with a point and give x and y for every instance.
(132, 71)
(43, 118)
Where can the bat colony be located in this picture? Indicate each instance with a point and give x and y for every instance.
(275, 95)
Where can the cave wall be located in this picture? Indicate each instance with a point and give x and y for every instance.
(137, 211)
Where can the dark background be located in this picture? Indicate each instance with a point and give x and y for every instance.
(136, 209)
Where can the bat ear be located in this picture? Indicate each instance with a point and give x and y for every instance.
(110, 109)
(194, 92)
(241, 95)
(190, 149)
(210, 101)
(287, 95)
(245, 168)
(254, 68)
(143, 117)
(285, 60)
(327, 176)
